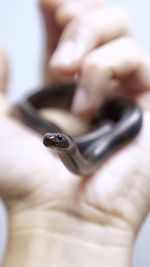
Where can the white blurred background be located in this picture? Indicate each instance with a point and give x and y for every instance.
(21, 35)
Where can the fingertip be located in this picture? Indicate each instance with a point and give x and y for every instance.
(62, 57)
(67, 57)
(80, 101)
(60, 74)
(85, 104)
(62, 62)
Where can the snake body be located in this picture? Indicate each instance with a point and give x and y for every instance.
(118, 121)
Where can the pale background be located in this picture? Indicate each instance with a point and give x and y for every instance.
(21, 36)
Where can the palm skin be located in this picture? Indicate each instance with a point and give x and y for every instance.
(32, 178)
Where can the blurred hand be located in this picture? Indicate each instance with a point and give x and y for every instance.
(92, 220)
(50, 210)
(94, 45)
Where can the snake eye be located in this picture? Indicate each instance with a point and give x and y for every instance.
(59, 137)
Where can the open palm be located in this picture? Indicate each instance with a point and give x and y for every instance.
(33, 178)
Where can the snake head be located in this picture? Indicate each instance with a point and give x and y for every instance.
(56, 141)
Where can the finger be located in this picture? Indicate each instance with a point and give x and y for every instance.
(84, 34)
(68, 9)
(52, 35)
(120, 67)
(48, 9)
(56, 14)
(50, 4)
(3, 71)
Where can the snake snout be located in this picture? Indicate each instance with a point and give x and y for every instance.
(56, 140)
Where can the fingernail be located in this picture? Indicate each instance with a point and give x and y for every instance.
(63, 54)
(69, 52)
(80, 101)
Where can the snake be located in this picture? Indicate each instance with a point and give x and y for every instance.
(117, 122)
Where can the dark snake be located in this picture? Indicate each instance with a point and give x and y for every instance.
(117, 122)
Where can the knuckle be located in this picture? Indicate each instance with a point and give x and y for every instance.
(120, 16)
(71, 9)
(124, 18)
(66, 13)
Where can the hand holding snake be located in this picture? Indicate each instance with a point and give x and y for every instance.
(98, 213)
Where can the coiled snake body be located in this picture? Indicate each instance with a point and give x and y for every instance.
(118, 121)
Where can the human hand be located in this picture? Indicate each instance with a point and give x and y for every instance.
(95, 220)
(95, 46)
(52, 212)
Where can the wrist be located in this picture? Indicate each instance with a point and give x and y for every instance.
(59, 239)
